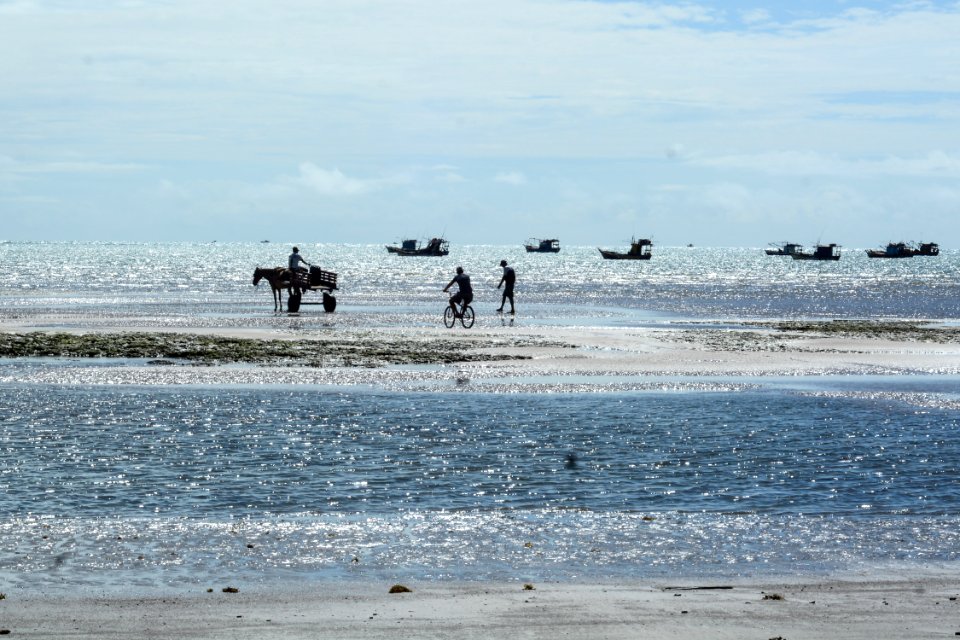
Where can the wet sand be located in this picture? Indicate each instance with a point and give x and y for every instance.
(682, 350)
(841, 609)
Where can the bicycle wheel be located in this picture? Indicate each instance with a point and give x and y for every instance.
(449, 318)
(467, 318)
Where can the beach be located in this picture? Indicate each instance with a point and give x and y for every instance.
(865, 608)
(871, 604)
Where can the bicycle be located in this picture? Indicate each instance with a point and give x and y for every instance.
(466, 316)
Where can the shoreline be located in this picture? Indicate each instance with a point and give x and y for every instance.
(858, 608)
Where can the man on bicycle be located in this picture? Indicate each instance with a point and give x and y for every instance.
(464, 292)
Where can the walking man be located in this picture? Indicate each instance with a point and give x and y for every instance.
(509, 277)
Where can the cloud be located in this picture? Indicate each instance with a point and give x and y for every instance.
(82, 167)
(571, 96)
(726, 196)
(447, 173)
(332, 182)
(514, 178)
(935, 164)
(12, 165)
(420, 74)
(44, 200)
(755, 16)
(169, 189)
(15, 173)
(451, 177)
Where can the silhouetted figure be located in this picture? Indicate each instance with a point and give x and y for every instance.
(509, 277)
(294, 262)
(464, 292)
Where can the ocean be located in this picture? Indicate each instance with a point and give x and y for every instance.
(107, 481)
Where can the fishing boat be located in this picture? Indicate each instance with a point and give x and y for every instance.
(893, 250)
(905, 250)
(639, 250)
(542, 246)
(784, 249)
(434, 247)
(821, 252)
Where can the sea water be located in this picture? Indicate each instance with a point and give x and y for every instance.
(211, 284)
(152, 485)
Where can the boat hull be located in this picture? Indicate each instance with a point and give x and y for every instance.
(422, 252)
(435, 247)
(616, 255)
(880, 253)
(807, 256)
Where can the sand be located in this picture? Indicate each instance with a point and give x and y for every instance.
(670, 350)
(866, 606)
(848, 609)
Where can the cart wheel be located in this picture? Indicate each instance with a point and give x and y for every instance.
(329, 303)
(293, 302)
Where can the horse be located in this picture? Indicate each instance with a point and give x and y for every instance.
(279, 279)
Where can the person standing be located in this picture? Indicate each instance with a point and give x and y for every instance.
(509, 277)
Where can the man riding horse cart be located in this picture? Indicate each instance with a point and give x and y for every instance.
(297, 283)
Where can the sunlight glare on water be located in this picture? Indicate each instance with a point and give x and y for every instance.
(670, 484)
(216, 279)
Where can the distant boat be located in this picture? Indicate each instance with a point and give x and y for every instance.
(639, 250)
(434, 247)
(784, 249)
(822, 252)
(905, 250)
(542, 246)
(893, 250)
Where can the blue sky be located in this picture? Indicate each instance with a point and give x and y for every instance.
(713, 123)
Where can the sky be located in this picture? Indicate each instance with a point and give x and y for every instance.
(710, 123)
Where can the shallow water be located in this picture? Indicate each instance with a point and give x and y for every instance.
(210, 284)
(117, 473)
(158, 485)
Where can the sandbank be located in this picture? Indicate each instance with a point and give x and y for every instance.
(508, 351)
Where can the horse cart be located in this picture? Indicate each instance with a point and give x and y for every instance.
(297, 283)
